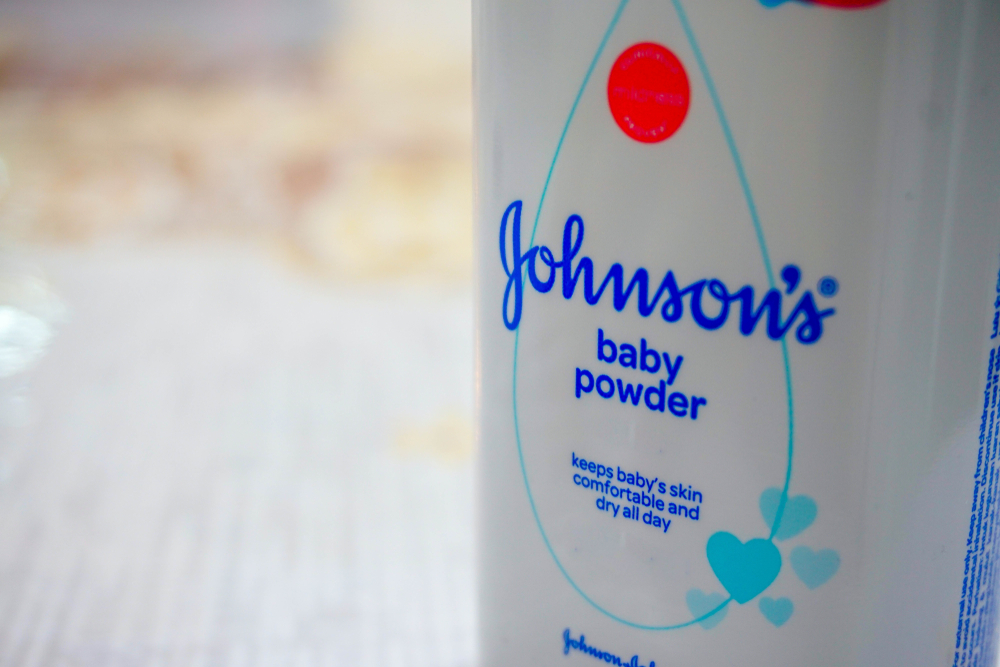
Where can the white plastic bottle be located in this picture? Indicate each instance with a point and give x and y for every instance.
(738, 312)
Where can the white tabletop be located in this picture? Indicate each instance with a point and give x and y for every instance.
(222, 462)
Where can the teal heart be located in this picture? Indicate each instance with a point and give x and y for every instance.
(815, 568)
(744, 570)
(777, 611)
(700, 604)
(799, 513)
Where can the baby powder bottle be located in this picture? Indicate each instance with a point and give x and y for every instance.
(738, 332)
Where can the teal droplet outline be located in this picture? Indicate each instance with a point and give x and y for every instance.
(762, 243)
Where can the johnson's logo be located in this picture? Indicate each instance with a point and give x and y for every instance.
(709, 301)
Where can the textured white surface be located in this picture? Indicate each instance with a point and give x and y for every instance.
(202, 470)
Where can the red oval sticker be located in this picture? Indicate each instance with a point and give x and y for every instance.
(848, 4)
(648, 92)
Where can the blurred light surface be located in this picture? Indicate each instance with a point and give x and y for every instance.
(23, 340)
(235, 333)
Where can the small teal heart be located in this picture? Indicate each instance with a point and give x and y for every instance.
(799, 513)
(777, 611)
(700, 604)
(815, 568)
(744, 570)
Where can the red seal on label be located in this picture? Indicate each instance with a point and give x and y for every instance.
(848, 4)
(648, 92)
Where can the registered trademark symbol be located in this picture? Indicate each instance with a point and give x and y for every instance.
(828, 286)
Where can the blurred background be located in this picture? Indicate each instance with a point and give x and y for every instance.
(235, 332)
